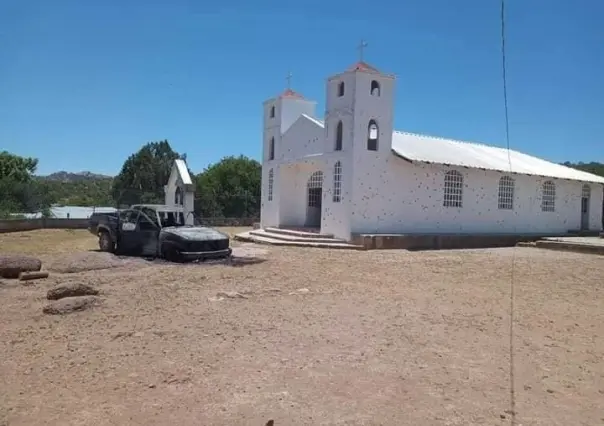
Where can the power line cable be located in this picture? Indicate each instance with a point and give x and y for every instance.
(512, 410)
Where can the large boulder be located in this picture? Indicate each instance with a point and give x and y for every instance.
(70, 290)
(71, 304)
(11, 265)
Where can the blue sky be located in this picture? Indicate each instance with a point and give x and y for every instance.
(83, 84)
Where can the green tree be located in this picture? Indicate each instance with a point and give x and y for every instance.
(19, 191)
(144, 175)
(229, 188)
(593, 167)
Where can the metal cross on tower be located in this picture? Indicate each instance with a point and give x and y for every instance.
(361, 47)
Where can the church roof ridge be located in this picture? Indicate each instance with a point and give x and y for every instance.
(363, 66)
(289, 93)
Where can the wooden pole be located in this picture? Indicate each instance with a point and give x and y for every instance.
(34, 275)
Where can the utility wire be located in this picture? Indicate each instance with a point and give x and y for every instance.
(512, 411)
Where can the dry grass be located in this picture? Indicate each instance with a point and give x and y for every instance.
(391, 338)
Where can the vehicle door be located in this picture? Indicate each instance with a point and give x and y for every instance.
(148, 228)
(127, 236)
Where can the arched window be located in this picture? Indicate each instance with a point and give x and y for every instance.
(375, 88)
(339, 136)
(340, 89)
(270, 185)
(453, 189)
(506, 193)
(272, 113)
(372, 136)
(337, 182)
(548, 196)
(271, 149)
(178, 196)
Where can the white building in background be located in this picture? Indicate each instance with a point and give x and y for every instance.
(180, 190)
(352, 173)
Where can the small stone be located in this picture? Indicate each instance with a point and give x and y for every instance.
(70, 304)
(230, 295)
(152, 386)
(70, 290)
(139, 334)
(550, 391)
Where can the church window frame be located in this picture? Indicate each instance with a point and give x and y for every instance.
(453, 190)
(271, 177)
(272, 111)
(375, 90)
(339, 136)
(337, 182)
(548, 196)
(373, 135)
(271, 149)
(178, 197)
(505, 198)
(341, 89)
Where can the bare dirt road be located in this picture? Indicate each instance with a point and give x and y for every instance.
(305, 337)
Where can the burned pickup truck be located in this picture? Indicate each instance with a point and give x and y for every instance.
(157, 231)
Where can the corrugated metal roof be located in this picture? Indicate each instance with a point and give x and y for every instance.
(77, 212)
(446, 151)
(430, 149)
(73, 212)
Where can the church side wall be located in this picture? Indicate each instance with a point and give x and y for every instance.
(596, 207)
(408, 198)
(303, 138)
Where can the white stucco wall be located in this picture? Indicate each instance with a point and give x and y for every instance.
(303, 138)
(294, 197)
(269, 209)
(408, 198)
(336, 217)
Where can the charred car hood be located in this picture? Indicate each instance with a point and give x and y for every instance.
(195, 233)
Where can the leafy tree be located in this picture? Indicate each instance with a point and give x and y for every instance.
(20, 192)
(593, 167)
(144, 175)
(85, 192)
(229, 188)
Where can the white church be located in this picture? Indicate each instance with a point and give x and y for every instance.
(353, 173)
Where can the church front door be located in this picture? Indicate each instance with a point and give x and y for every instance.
(314, 198)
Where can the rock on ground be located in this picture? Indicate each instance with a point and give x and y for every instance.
(70, 290)
(89, 261)
(12, 265)
(70, 304)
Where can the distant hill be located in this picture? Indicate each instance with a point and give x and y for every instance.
(63, 176)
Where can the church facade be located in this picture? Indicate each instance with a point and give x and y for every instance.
(352, 173)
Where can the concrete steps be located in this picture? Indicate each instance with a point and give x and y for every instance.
(297, 233)
(294, 238)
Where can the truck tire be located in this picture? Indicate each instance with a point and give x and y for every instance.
(171, 254)
(106, 243)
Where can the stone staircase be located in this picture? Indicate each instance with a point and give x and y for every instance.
(295, 238)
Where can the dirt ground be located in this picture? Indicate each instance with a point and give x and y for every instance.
(315, 337)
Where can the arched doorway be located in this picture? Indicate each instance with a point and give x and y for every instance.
(585, 198)
(314, 191)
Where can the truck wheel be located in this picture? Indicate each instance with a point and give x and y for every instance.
(105, 242)
(171, 254)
